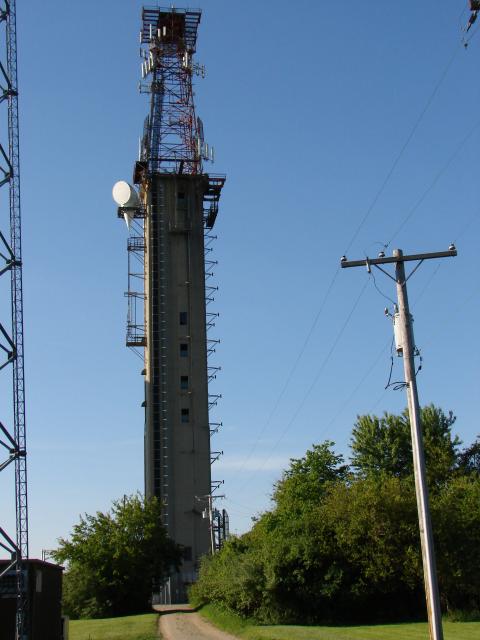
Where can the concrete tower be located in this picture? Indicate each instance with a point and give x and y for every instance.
(176, 206)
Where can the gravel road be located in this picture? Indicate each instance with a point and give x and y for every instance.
(180, 622)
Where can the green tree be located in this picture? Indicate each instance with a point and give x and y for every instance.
(234, 578)
(469, 459)
(344, 547)
(303, 483)
(456, 526)
(383, 445)
(374, 525)
(112, 559)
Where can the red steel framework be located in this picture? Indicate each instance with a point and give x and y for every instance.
(173, 137)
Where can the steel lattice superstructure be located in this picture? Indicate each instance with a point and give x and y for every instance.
(13, 437)
(172, 140)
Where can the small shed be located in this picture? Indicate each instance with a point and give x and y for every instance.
(43, 584)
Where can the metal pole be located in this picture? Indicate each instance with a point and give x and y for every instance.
(425, 525)
(210, 518)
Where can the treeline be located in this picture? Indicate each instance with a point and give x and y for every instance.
(341, 542)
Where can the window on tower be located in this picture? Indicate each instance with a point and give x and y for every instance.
(183, 317)
(183, 350)
(185, 415)
(184, 383)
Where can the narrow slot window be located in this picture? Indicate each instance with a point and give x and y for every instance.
(185, 415)
(184, 383)
(183, 350)
(183, 317)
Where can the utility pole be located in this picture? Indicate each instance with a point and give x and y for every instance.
(405, 344)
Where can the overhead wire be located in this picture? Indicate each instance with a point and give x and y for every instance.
(291, 373)
(381, 352)
(395, 385)
(352, 240)
(367, 373)
(435, 180)
(475, 215)
(460, 233)
(390, 342)
(312, 385)
(467, 39)
(384, 295)
(371, 367)
(436, 88)
(428, 283)
(403, 148)
(457, 237)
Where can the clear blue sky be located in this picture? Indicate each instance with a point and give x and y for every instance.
(307, 104)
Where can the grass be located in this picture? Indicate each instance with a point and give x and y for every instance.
(142, 627)
(416, 631)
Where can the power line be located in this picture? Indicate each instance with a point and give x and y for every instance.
(292, 372)
(355, 235)
(403, 148)
(467, 225)
(372, 366)
(388, 343)
(461, 233)
(428, 283)
(437, 177)
(239, 504)
(467, 40)
(384, 295)
(385, 347)
(313, 384)
(359, 384)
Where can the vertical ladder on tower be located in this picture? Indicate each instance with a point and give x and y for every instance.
(158, 349)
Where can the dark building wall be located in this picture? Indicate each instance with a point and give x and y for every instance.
(44, 587)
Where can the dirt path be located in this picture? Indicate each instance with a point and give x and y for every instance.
(180, 622)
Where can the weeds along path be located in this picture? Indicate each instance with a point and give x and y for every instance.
(181, 622)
